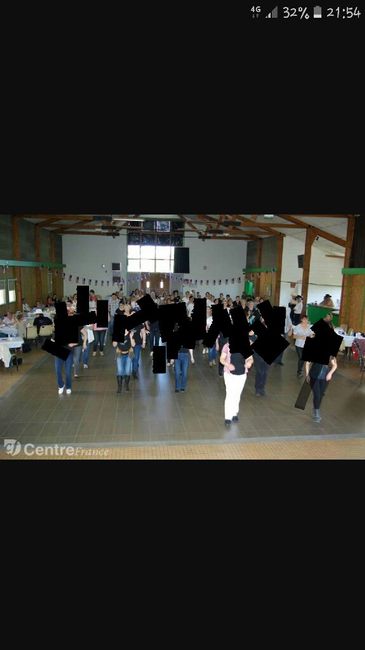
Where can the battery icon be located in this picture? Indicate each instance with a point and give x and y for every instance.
(317, 12)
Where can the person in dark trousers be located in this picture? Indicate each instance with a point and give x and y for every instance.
(181, 369)
(261, 369)
(319, 375)
(41, 320)
(154, 335)
(139, 336)
(300, 333)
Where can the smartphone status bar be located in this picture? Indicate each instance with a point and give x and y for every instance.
(306, 13)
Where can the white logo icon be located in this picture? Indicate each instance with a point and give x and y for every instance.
(12, 447)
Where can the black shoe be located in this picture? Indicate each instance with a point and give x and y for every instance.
(235, 418)
(127, 379)
(182, 390)
(177, 390)
(227, 422)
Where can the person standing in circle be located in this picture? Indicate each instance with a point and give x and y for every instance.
(235, 375)
(123, 351)
(318, 375)
(181, 369)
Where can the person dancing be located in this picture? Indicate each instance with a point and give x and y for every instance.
(235, 374)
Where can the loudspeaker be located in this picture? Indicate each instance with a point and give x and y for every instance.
(181, 260)
(300, 261)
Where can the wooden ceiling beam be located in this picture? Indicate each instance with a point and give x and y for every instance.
(319, 232)
(255, 224)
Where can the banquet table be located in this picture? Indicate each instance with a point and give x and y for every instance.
(9, 330)
(6, 345)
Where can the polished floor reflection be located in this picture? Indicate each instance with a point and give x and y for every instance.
(152, 412)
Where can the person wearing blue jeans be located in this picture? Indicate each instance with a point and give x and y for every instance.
(261, 369)
(212, 355)
(60, 364)
(99, 335)
(123, 360)
(139, 336)
(181, 369)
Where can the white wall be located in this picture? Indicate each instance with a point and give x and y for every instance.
(325, 276)
(325, 273)
(84, 256)
(216, 260)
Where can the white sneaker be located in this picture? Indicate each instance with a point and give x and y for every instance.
(151, 354)
(68, 391)
(101, 354)
(60, 390)
(94, 354)
(76, 376)
(85, 365)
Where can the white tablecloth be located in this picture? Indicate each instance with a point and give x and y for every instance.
(5, 346)
(8, 330)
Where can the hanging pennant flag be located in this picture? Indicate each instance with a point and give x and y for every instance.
(107, 283)
(207, 282)
(96, 283)
(238, 279)
(89, 281)
(77, 279)
(226, 281)
(69, 278)
(219, 281)
(214, 282)
(83, 280)
(232, 281)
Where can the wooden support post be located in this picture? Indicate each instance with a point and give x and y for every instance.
(279, 264)
(346, 279)
(256, 278)
(17, 269)
(309, 239)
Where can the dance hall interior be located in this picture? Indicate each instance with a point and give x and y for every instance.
(182, 336)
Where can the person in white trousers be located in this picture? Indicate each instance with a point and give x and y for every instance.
(235, 375)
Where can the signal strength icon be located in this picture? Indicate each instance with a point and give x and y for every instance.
(273, 13)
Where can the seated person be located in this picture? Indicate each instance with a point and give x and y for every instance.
(41, 320)
(327, 301)
(21, 326)
(25, 306)
(9, 319)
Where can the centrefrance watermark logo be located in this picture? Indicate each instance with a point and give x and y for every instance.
(14, 448)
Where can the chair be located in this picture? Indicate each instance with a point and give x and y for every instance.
(46, 330)
(32, 334)
(361, 360)
(15, 360)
